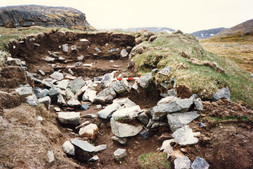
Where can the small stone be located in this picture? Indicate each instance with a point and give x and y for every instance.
(144, 134)
(40, 93)
(165, 71)
(69, 93)
(80, 58)
(84, 41)
(145, 80)
(74, 103)
(49, 59)
(68, 148)
(93, 159)
(100, 148)
(50, 155)
(98, 106)
(65, 48)
(57, 109)
(119, 140)
(78, 64)
(40, 118)
(182, 163)
(73, 47)
(143, 118)
(202, 125)
(85, 106)
(120, 154)
(89, 131)
(69, 118)
(123, 53)
(97, 50)
(222, 93)
(198, 104)
(63, 84)
(42, 72)
(87, 65)
(57, 76)
(76, 84)
(251, 75)
(46, 101)
(32, 100)
(13, 61)
(61, 100)
(200, 163)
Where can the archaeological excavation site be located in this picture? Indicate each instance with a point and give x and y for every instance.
(109, 100)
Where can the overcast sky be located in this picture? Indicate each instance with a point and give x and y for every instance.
(186, 15)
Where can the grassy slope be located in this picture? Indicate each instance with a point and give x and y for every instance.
(200, 79)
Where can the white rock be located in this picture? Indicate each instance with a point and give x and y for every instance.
(123, 53)
(50, 155)
(120, 154)
(89, 95)
(89, 131)
(182, 163)
(57, 76)
(68, 148)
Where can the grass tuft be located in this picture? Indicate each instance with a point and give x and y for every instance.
(154, 160)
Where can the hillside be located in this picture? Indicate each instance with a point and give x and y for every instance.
(34, 15)
(245, 28)
(204, 34)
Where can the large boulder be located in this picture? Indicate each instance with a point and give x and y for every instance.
(76, 84)
(145, 80)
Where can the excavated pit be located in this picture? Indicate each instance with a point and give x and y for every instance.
(21, 122)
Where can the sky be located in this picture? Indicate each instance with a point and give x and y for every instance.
(186, 15)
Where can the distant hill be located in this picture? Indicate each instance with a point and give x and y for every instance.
(35, 15)
(151, 29)
(204, 34)
(245, 28)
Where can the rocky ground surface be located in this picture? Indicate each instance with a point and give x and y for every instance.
(74, 101)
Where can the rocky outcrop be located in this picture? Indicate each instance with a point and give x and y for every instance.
(33, 15)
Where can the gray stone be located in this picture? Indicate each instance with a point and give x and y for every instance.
(97, 50)
(165, 71)
(68, 148)
(128, 113)
(120, 154)
(185, 104)
(123, 53)
(198, 104)
(251, 75)
(76, 84)
(144, 134)
(178, 120)
(145, 80)
(108, 110)
(57, 76)
(50, 155)
(57, 109)
(54, 91)
(143, 118)
(107, 79)
(114, 50)
(32, 100)
(94, 159)
(40, 93)
(185, 136)
(61, 100)
(100, 147)
(84, 41)
(25, 90)
(42, 72)
(65, 48)
(89, 95)
(85, 106)
(182, 163)
(73, 47)
(13, 61)
(167, 100)
(193, 97)
(78, 64)
(63, 84)
(49, 59)
(121, 141)
(46, 101)
(166, 84)
(69, 93)
(69, 118)
(84, 145)
(74, 103)
(202, 125)
(172, 92)
(105, 96)
(118, 87)
(200, 163)
(135, 86)
(80, 58)
(222, 93)
(123, 129)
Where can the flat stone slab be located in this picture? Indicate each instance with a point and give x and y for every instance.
(185, 136)
(84, 145)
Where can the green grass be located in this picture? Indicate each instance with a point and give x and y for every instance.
(202, 80)
(218, 119)
(154, 160)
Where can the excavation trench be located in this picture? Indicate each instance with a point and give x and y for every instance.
(92, 55)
